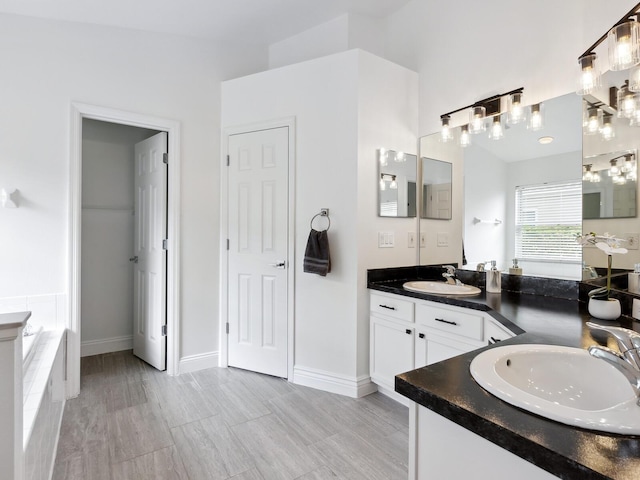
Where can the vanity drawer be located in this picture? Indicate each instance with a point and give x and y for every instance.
(391, 306)
(452, 320)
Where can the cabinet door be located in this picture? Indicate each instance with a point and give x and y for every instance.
(391, 350)
(431, 348)
(495, 333)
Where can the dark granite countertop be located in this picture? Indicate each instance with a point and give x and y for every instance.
(448, 388)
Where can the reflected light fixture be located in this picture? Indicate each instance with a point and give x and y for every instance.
(496, 132)
(482, 112)
(536, 119)
(607, 131)
(399, 157)
(465, 138)
(587, 176)
(624, 51)
(545, 140)
(393, 185)
(383, 184)
(592, 121)
(388, 177)
(446, 135)
(614, 170)
(382, 156)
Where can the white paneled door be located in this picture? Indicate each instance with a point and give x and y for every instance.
(258, 218)
(150, 257)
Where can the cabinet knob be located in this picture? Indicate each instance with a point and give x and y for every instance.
(408, 330)
(421, 335)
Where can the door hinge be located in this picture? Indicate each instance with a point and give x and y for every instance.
(165, 244)
(227, 328)
(228, 160)
(164, 330)
(227, 244)
(165, 158)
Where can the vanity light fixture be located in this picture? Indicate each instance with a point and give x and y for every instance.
(536, 118)
(628, 164)
(592, 121)
(627, 101)
(446, 135)
(399, 157)
(465, 138)
(388, 177)
(624, 51)
(476, 120)
(607, 131)
(496, 132)
(614, 170)
(482, 110)
(587, 176)
(382, 156)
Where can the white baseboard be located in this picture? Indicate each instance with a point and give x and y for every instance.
(334, 383)
(201, 361)
(106, 345)
(394, 395)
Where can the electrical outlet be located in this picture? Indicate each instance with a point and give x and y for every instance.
(386, 239)
(423, 239)
(411, 240)
(632, 240)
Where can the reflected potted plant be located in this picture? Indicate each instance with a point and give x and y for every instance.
(600, 304)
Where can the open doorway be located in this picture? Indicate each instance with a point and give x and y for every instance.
(104, 190)
(123, 277)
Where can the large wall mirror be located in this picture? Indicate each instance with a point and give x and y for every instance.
(513, 189)
(397, 173)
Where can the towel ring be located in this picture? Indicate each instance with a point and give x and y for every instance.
(323, 213)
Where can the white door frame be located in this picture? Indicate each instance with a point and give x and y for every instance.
(289, 122)
(80, 111)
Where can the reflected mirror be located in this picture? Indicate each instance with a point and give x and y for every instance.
(497, 176)
(436, 189)
(609, 185)
(397, 173)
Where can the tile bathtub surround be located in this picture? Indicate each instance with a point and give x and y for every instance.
(131, 421)
(48, 311)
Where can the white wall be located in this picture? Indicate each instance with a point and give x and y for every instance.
(346, 106)
(343, 33)
(107, 235)
(51, 64)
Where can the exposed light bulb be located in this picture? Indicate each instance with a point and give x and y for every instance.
(496, 132)
(607, 131)
(589, 75)
(592, 124)
(465, 138)
(623, 45)
(535, 119)
(516, 112)
(393, 185)
(446, 135)
(476, 120)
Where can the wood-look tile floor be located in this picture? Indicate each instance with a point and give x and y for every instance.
(133, 422)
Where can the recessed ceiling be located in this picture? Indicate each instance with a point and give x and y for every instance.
(240, 21)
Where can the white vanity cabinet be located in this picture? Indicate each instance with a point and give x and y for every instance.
(408, 333)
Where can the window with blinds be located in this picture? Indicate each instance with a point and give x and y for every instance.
(548, 217)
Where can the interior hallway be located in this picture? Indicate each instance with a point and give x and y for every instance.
(133, 422)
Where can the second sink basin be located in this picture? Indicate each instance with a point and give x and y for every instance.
(560, 383)
(440, 288)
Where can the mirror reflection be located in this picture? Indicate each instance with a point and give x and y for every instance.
(436, 189)
(517, 192)
(397, 173)
(609, 185)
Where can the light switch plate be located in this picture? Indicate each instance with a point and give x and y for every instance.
(423, 239)
(386, 239)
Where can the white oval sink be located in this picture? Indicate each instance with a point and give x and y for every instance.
(440, 288)
(560, 383)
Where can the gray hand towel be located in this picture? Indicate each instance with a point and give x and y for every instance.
(316, 255)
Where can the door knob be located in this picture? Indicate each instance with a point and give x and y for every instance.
(277, 265)
(134, 259)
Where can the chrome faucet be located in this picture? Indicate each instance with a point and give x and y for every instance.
(450, 275)
(627, 361)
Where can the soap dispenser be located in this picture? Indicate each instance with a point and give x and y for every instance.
(493, 279)
(515, 269)
(634, 279)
